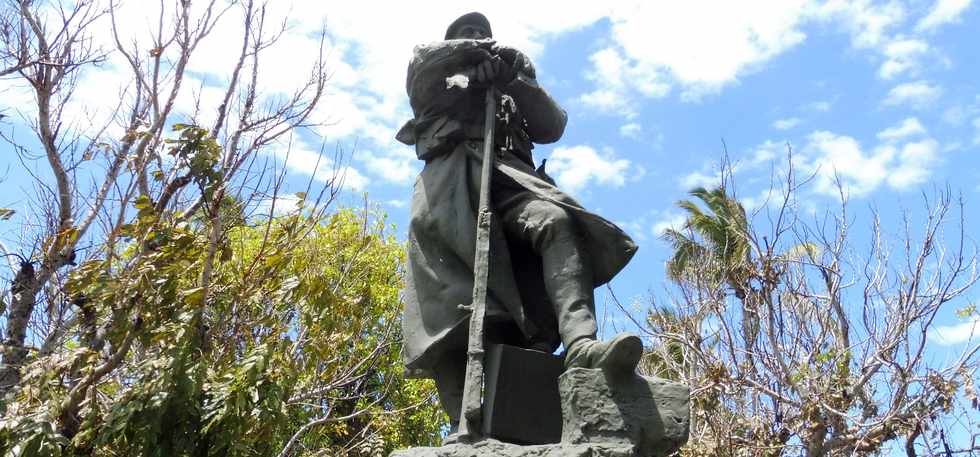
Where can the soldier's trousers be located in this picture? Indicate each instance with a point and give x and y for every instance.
(548, 230)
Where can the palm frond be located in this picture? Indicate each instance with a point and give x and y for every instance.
(719, 236)
(686, 253)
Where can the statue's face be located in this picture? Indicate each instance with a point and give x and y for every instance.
(472, 32)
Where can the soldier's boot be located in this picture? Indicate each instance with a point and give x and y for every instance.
(569, 282)
(616, 356)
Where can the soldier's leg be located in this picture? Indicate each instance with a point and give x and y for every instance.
(449, 374)
(553, 235)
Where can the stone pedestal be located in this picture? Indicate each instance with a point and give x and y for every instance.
(602, 416)
(494, 448)
(651, 414)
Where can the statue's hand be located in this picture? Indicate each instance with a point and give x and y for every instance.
(510, 55)
(492, 71)
(486, 71)
(507, 53)
(516, 60)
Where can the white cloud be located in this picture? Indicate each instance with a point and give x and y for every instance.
(284, 204)
(669, 221)
(818, 106)
(867, 22)
(616, 78)
(955, 115)
(397, 166)
(943, 12)
(916, 94)
(700, 179)
(877, 27)
(909, 127)
(831, 158)
(766, 152)
(575, 167)
(710, 49)
(298, 157)
(952, 147)
(608, 101)
(765, 155)
(949, 335)
(902, 56)
(904, 157)
(199, 102)
(786, 124)
(631, 130)
(95, 101)
(913, 165)
(702, 52)
(636, 228)
(961, 113)
(352, 179)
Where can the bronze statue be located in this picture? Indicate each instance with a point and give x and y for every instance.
(547, 253)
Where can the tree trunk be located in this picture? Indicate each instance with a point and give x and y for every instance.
(24, 290)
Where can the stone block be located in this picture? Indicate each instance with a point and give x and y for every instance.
(521, 403)
(651, 414)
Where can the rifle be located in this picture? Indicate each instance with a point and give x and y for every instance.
(469, 421)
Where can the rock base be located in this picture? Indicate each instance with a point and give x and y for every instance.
(494, 448)
(602, 416)
(651, 414)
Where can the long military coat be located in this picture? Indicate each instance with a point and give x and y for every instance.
(442, 231)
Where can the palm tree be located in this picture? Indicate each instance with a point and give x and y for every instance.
(713, 242)
(715, 245)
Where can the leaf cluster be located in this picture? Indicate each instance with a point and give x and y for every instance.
(300, 324)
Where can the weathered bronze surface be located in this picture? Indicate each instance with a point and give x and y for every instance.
(546, 252)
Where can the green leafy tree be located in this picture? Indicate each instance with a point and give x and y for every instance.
(295, 350)
(160, 302)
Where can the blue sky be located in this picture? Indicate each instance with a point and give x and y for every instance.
(884, 94)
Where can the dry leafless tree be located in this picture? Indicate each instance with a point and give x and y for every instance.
(809, 333)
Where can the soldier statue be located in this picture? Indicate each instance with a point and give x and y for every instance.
(547, 253)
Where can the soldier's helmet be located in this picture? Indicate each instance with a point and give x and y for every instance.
(473, 18)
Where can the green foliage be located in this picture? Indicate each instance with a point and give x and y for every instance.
(668, 362)
(967, 311)
(721, 234)
(197, 150)
(299, 322)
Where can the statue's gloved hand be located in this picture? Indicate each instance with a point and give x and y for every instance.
(493, 71)
(486, 71)
(507, 53)
(516, 60)
(475, 54)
